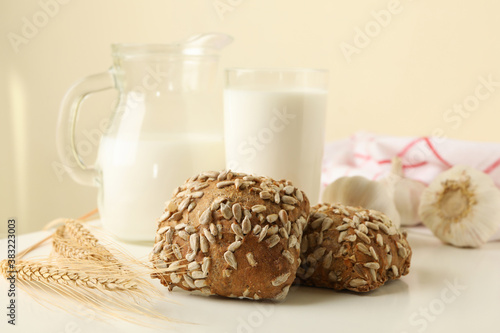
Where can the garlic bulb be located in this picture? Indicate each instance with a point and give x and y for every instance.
(462, 207)
(360, 191)
(406, 193)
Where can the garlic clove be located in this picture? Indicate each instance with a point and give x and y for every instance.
(462, 207)
(360, 191)
(405, 192)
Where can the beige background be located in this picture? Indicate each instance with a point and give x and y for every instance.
(401, 80)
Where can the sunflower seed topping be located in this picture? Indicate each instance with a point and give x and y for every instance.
(183, 205)
(206, 217)
(209, 236)
(318, 253)
(350, 238)
(171, 206)
(176, 217)
(327, 260)
(193, 266)
(158, 247)
(200, 283)
(343, 227)
(237, 212)
(327, 223)
(362, 228)
(373, 253)
(198, 275)
(237, 229)
(222, 176)
(342, 235)
(246, 226)
(189, 282)
(200, 186)
(251, 259)
(175, 278)
(283, 215)
(277, 197)
(380, 240)
(175, 266)
(363, 236)
(204, 244)
(395, 270)
(332, 276)
(384, 228)
(256, 229)
(184, 235)
(389, 261)
(402, 252)
(371, 225)
(230, 259)
(225, 183)
(303, 246)
(213, 229)
(280, 279)
(292, 241)
(288, 256)
(206, 265)
(316, 223)
(190, 256)
(163, 230)
(288, 207)
(299, 195)
(194, 242)
(374, 265)
(169, 236)
(226, 211)
(273, 240)
(209, 174)
(289, 189)
(177, 251)
(265, 195)
(263, 233)
(272, 230)
(234, 246)
(357, 283)
(283, 233)
(361, 247)
(272, 218)
(190, 229)
(288, 200)
(258, 208)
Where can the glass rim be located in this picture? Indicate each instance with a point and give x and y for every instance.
(277, 70)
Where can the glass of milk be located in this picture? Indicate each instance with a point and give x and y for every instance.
(274, 124)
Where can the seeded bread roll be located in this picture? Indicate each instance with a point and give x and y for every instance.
(351, 248)
(231, 234)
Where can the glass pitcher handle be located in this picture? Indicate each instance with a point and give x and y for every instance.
(66, 125)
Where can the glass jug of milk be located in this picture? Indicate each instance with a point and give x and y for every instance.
(166, 127)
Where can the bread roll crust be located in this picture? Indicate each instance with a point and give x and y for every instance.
(231, 234)
(351, 248)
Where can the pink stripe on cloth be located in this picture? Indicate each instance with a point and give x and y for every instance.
(369, 155)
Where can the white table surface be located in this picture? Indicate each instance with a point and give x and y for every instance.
(448, 290)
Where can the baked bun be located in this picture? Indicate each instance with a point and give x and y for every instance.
(231, 234)
(351, 248)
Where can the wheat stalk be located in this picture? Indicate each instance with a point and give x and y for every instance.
(73, 240)
(87, 272)
(32, 271)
